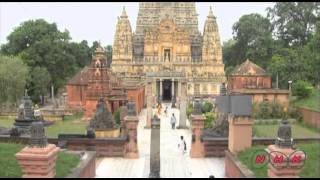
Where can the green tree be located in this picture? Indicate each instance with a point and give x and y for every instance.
(13, 79)
(253, 36)
(40, 82)
(294, 22)
(288, 64)
(109, 55)
(301, 89)
(41, 44)
(312, 54)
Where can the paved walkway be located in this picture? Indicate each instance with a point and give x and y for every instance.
(173, 163)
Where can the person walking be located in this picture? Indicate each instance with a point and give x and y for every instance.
(173, 121)
(182, 145)
(166, 111)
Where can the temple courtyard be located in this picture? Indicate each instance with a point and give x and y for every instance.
(173, 163)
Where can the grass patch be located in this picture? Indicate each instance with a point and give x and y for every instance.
(311, 168)
(270, 130)
(65, 163)
(312, 102)
(71, 125)
(10, 168)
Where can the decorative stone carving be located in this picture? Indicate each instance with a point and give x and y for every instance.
(38, 136)
(25, 117)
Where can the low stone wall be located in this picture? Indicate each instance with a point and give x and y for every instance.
(216, 147)
(47, 117)
(234, 168)
(87, 167)
(310, 117)
(104, 147)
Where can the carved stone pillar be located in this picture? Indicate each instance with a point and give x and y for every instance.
(131, 122)
(197, 146)
(149, 104)
(161, 89)
(172, 88)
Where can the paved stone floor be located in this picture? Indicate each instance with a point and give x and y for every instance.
(173, 163)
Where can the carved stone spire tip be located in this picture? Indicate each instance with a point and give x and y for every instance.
(210, 12)
(124, 13)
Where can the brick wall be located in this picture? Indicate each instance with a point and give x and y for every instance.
(310, 117)
(234, 168)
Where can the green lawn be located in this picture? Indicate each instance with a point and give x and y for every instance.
(312, 102)
(311, 168)
(71, 124)
(298, 131)
(10, 168)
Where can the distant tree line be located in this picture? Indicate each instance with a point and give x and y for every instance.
(38, 55)
(285, 43)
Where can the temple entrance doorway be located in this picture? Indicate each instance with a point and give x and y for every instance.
(167, 94)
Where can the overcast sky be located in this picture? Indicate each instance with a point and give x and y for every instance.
(97, 21)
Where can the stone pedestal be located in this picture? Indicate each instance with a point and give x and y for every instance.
(240, 133)
(183, 115)
(131, 147)
(38, 162)
(197, 146)
(284, 162)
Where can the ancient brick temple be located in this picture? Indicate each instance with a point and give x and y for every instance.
(94, 82)
(251, 79)
(167, 49)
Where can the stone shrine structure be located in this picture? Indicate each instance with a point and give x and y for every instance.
(166, 49)
(94, 82)
(103, 123)
(25, 117)
(250, 79)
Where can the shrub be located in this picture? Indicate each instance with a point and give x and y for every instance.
(264, 111)
(210, 120)
(267, 110)
(117, 116)
(276, 110)
(189, 110)
(301, 89)
(207, 107)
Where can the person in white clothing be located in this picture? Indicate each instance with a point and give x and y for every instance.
(182, 145)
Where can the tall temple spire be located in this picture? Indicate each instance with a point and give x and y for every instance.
(211, 47)
(122, 46)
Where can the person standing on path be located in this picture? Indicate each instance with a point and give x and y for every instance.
(173, 121)
(182, 145)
